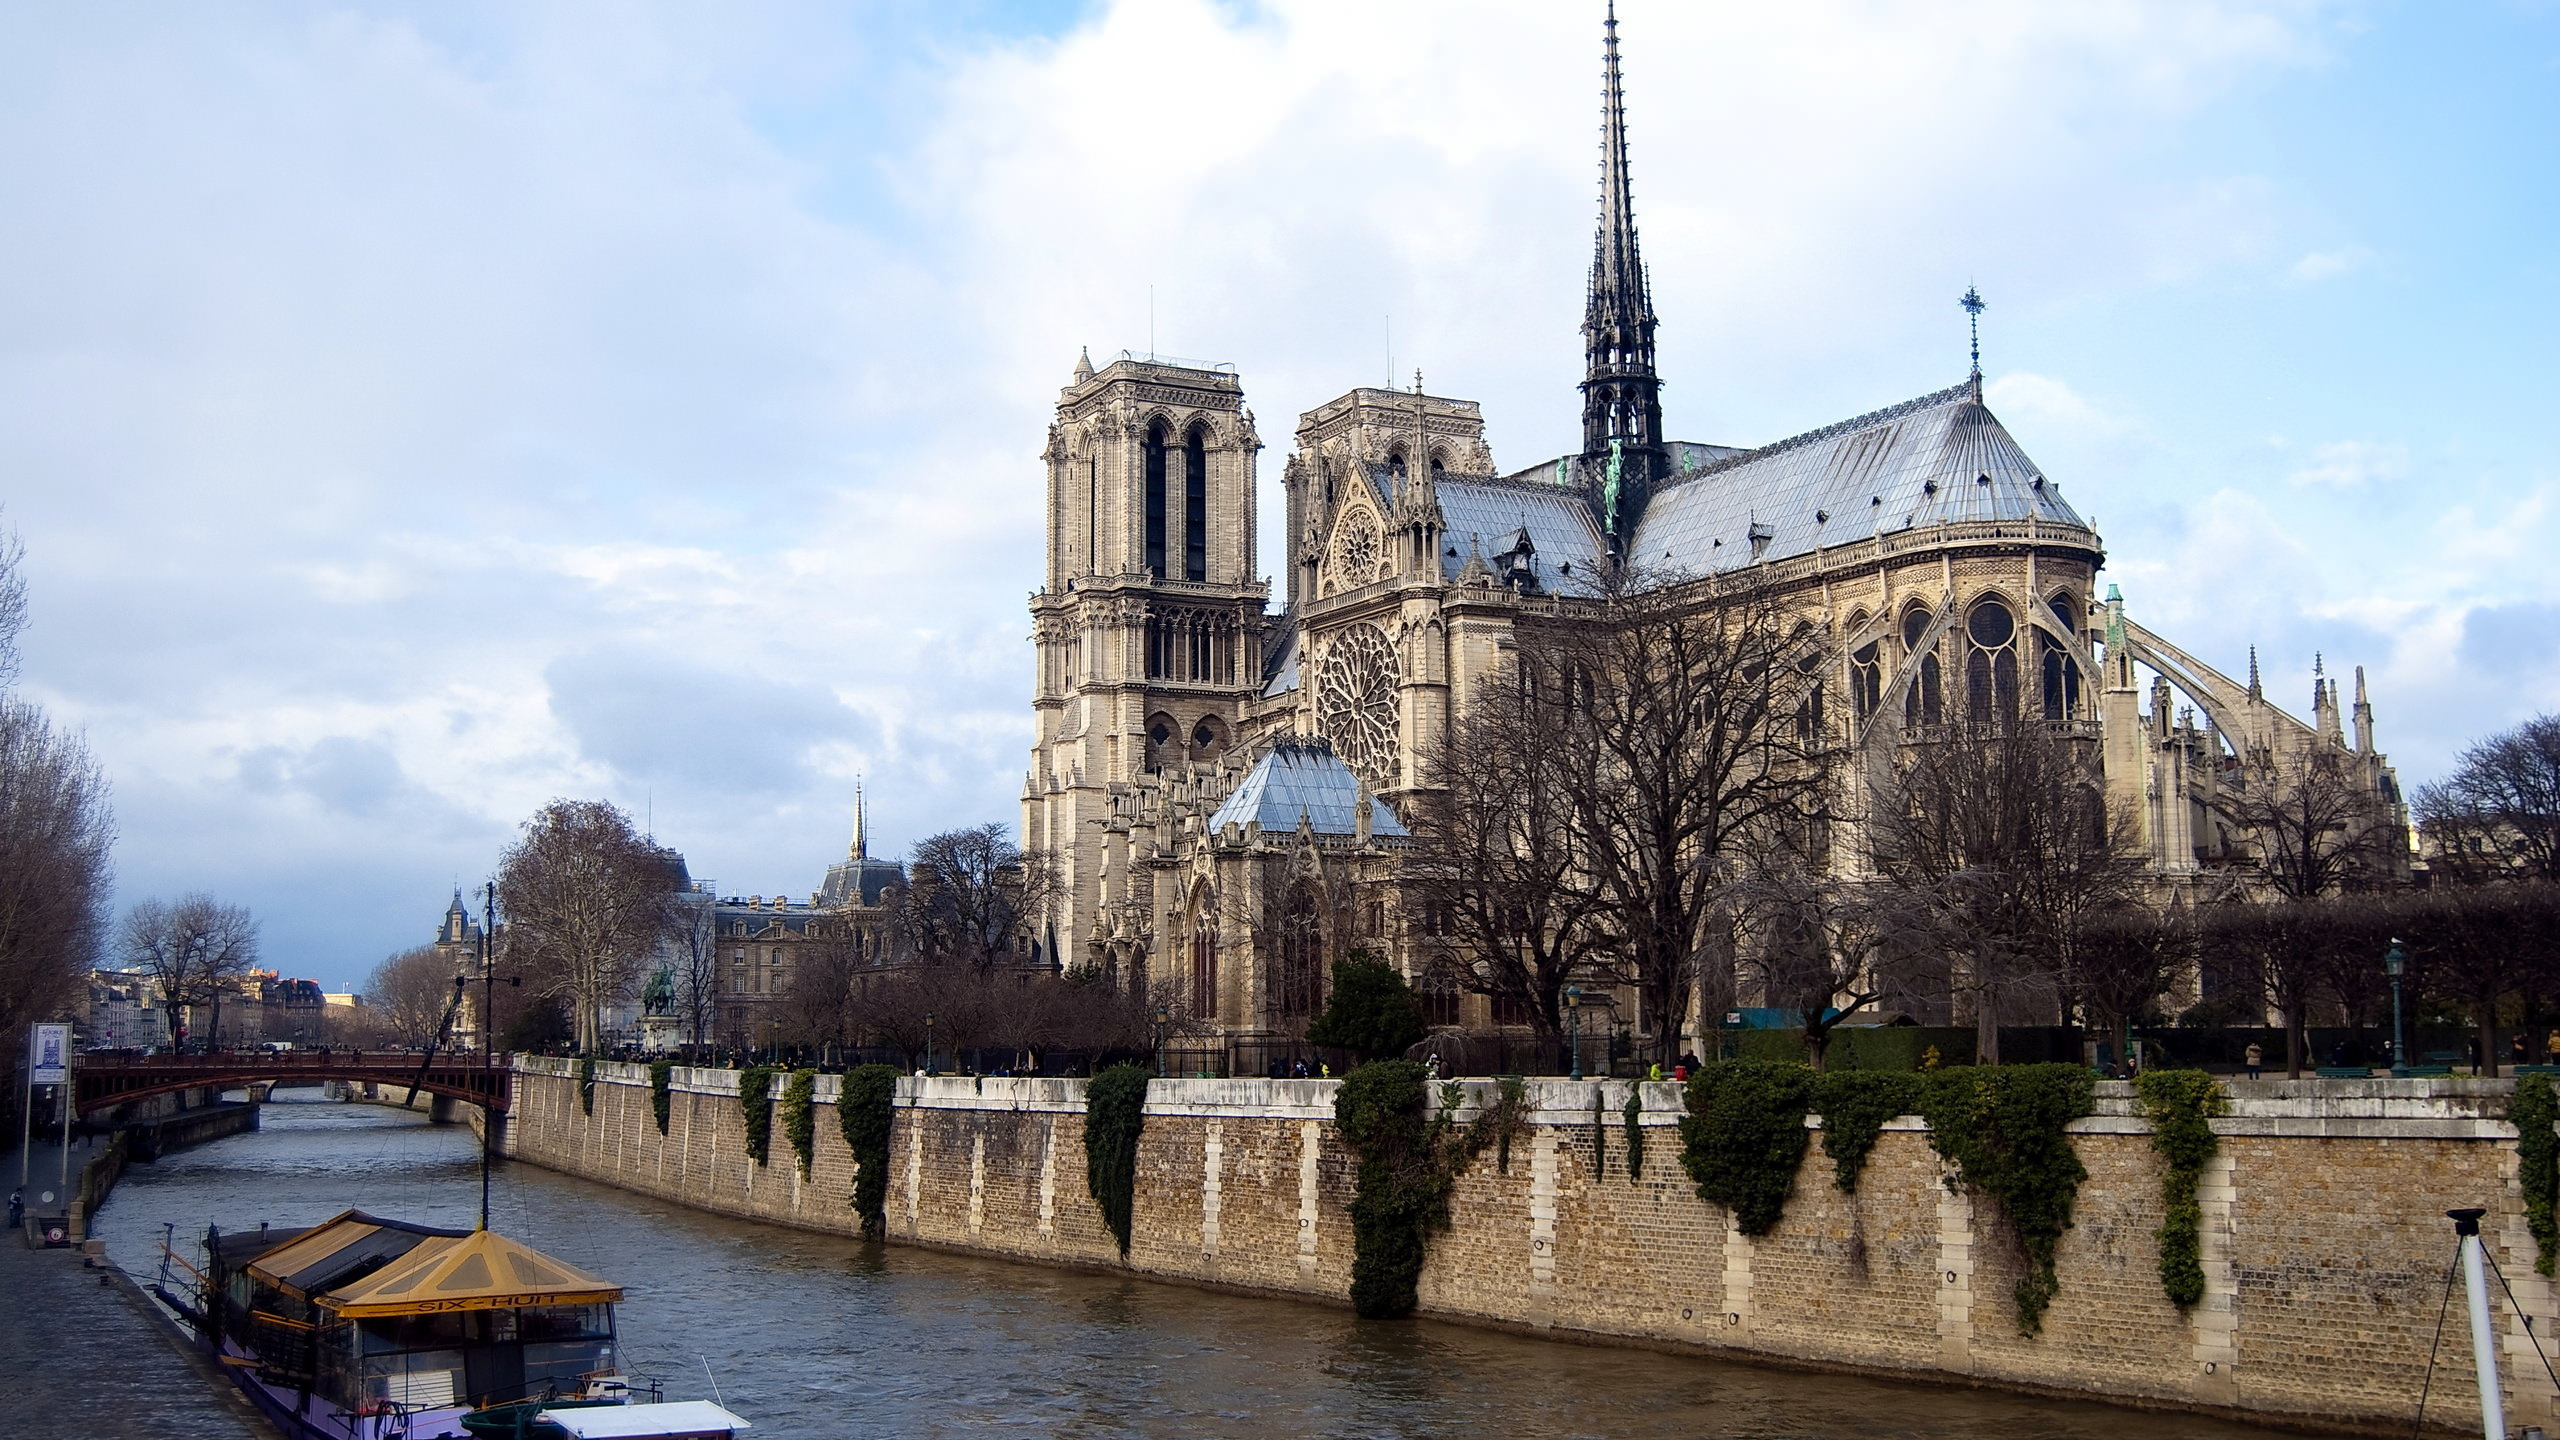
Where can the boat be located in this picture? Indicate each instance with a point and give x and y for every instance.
(365, 1328)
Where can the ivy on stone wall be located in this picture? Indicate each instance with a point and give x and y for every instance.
(863, 1111)
(661, 1075)
(1409, 1162)
(587, 1084)
(1635, 1132)
(1854, 1106)
(800, 1117)
(2180, 1105)
(755, 1105)
(2534, 1110)
(2001, 1127)
(1115, 1108)
(1599, 1131)
(1744, 1136)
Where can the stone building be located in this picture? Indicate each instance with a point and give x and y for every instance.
(1940, 570)
(766, 941)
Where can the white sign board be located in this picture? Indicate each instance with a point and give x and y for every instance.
(49, 1055)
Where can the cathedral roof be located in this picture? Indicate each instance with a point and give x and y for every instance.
(1482, 513)
(1303, 777)
(1939, 458)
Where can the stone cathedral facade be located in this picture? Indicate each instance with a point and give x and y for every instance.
(1219, 780)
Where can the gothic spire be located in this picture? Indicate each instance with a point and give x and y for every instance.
(858, 850)
(1621, 394)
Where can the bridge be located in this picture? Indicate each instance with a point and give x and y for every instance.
(100, 1081)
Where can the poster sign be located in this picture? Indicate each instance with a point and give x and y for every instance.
(49, 1055)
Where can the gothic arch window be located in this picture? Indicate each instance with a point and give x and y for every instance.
(1923, 703)
(1153, 452)
(1208, 738)
(2061, 681)
(1866, 678)
(1163, 739)
(1299, 973)
(1356, 701)
(1195, 504)
(2066, 608)
(1990, 662)
(1439, 469)
(1204, 966)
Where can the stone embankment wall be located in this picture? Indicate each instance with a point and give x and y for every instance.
(2325, 1246)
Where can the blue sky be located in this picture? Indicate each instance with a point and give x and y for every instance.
(415, 413)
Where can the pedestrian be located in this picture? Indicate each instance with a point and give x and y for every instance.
(17, 1208)
(2551, 1049)
(1431, 1067)
(2254, 1057)
(2516, 1054)
(1653, 1071)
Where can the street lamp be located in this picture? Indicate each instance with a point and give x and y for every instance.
(928, 1044)
(1164, 1017)
(2395, 964)
(1573, 1016)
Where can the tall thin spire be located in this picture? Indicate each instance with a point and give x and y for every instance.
(1973, 308)
(1621, 394)
(858, 852)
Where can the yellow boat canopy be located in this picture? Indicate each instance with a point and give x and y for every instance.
(480, 1271)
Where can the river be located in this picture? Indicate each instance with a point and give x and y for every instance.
(815, 1336)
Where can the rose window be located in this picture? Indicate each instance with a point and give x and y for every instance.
(1355, 550)
(1356, 701)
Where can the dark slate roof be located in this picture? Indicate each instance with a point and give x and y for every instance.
(1941, 457)
(1303, 777)
(1281, 668)
(1487, 514)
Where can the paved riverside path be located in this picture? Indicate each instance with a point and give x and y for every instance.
(97, 1362)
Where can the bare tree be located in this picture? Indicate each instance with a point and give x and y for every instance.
(55, 835)
(1995, 843)
(587, 901)
(1684, 719)
(411, 995)
(694, 936)
(972, 896)
(2127, 958)
(194, 949)
(1492, 870)
(2481, 945)
(1811, 941)
(2316, 830)
(2499, 811)
(817, 1007)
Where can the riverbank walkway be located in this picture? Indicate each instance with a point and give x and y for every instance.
(87, 1353)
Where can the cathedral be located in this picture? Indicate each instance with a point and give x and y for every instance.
(1220, 782)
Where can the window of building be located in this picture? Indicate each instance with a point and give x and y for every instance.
(1153, 454)
(1195, 504)
(1204, 969)
(1299, 976)
(1990, 663)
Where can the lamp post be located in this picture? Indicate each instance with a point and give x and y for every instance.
(1163, 1018)
(2394, 964)
(928, 1044)
(1573, 1018)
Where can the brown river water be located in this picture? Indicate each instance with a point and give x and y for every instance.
(815, 1336)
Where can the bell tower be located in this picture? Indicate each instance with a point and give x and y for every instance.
(1149, 630)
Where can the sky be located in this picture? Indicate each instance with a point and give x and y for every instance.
(416, 413)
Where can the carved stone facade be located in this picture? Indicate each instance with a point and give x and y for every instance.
(1938, 573)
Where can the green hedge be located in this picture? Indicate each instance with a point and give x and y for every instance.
(800, 1117)
(1861, 1047)
(864, 1109)
(1115, 1109)
(2180, 1105)
(2535, 1108)
(1744, 1136)
(1854, 1106)
(661, 1077)
(755, 1106)
(2001, 1127)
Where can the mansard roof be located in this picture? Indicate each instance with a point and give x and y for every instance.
(1939, 458)
(1303, 777)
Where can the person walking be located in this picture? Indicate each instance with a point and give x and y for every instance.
(2254, 1057)
(17, 1209)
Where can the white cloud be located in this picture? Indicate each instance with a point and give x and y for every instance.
(359, 370)
(2322, 265)
(2349, 463)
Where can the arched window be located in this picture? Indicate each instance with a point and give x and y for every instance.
(2061, 681)
(1395, 474)
(1154, 454)
(1204, 967)
(1922, 704)
(1991, 662)
(1299, 977)
(1195, 504)
(1866, 679)
(1439, 469)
